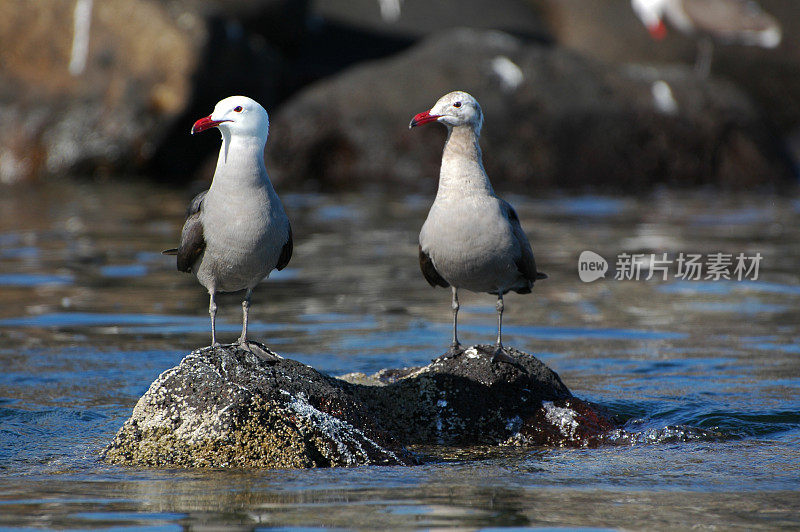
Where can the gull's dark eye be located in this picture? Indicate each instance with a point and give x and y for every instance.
(457, 104)
(237, 109)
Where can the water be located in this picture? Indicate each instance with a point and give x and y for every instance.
(705, 374)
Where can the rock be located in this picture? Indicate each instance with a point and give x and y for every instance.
(135, 77)
(153, 67)
(553, 118)
(420, 19)
(464, 400)
(567, 422)
(145, 68)
(230, 407)
(234, 407)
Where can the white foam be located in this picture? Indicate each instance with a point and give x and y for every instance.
(563, 418)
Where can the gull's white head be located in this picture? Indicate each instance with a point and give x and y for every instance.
(651, 13)
(453, 109)
(237, 116)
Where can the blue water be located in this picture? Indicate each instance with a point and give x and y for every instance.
(704, 375)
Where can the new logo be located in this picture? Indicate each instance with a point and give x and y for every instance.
(591, 266)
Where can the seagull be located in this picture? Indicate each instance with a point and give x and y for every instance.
(471, 239)
(728, 21)
(236, 232)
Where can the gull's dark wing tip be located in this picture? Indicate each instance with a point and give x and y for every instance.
(429, 270)
(193, 243)
(286, 252)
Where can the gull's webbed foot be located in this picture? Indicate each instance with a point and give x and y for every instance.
(500, 355)
(454, 351)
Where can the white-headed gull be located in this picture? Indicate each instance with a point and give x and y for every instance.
(471, 239)
(236, 232)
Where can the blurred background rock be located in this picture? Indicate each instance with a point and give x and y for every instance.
(575, 92)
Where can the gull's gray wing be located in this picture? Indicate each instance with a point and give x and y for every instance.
(429, 271)
(286, 252)
(192, 241)
(525, 262)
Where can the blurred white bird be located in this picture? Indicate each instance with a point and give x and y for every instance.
(726, 21)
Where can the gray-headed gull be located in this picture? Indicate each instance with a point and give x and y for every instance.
(471, 239)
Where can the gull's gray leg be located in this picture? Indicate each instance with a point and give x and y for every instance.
(500, 322)
(245, 311)
(455, 346)
(499, 352)
(705, 54)
(212, 311)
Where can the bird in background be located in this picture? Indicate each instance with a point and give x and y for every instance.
(725, 21)
(471, 239)
(237, 231)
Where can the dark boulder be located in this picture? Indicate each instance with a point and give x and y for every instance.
(234, 407)
(464, 400)
(421, 19)
(553, 118)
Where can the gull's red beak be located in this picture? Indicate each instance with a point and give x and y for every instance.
(658, 31)
(423, 118)
(206, 123)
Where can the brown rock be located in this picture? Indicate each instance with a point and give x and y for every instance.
(150, 69)
(464, 400)
(137, 72)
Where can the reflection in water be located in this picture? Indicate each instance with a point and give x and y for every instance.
(91, 313)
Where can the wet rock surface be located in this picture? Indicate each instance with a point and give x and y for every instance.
(248, 408)
(236, 407)
(464, 399)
